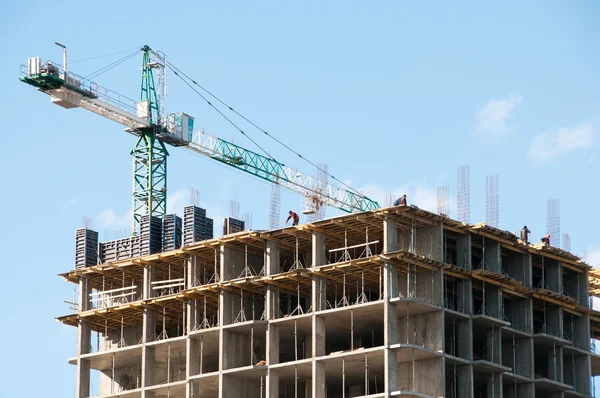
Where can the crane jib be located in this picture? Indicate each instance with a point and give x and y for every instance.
(69, 90)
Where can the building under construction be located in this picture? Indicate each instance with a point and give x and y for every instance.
(392, 302)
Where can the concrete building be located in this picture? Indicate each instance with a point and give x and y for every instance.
(394, 302)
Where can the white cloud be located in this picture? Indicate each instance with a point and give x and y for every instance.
(109, 219)
(417, 193)
(492, 117)
(561, 141)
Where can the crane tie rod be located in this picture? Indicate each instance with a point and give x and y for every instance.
(175, 69)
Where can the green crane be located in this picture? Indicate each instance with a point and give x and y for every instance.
(146, 120)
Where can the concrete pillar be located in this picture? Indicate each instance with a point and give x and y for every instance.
(555, 366)
(319, 302)
(493, 259)
(84, 337)
(524, 364)
(226, 272)
(464, 339)
(148, 334)
(494, 385)
(272, 252)
(390, 311)
(554, 321)
(493, 301)
(583, 292)
(493, 345)
(192, 365)
(464, 381)
(463, 251)
(581, 335)
(465, 295)
(554, 279)
(516, 265)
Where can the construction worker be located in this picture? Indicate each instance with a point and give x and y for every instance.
(525, 234)
(546, 239)
(293, 216)
(401, 201)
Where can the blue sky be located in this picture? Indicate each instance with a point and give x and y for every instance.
(393, 96)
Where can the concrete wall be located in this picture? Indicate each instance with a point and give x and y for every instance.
(424, 330)
(428, 379)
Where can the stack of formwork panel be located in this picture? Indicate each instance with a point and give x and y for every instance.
(196, 226)
(119, 249)
(232, 225)
(86, 248)
(171, 232)
(151, 235)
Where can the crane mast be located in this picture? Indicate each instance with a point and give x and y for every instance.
(147, 121)
(149, 153)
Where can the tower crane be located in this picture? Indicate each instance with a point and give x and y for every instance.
(154, 131)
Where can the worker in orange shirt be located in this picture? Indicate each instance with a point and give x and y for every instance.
(294, 217)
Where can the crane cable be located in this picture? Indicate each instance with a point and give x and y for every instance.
(100, 71)
(175, 70)
(225, 117)
(104, 56)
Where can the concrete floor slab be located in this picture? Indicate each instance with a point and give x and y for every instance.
(413, 306)
(248, 372)
(104, 359)
(409, 394)
(488, 321)
(548, 385)
(509, 332)
(457, 315)
(548, 340)
(286, 325)
(408, 352)
(353, 363)
(176, 388)
(452, 360)
(487, 367)
(245, 328)
(287, 371)
(515, 378)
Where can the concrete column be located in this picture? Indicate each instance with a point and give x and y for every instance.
(464, 337)
(493, 301)
(524, 357)
(390, 311)
(493, 345)
(494, 385)
(493, 259)
(555, 365)
(192, 365)
(319, 302)
(554, 321)
(464, 381)
(583, 294)
(148, 334)
(463, 251)
(226, 272)
(554, 279)
(272, 251)
(516, 265)
(84, 337)
(465, 295)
